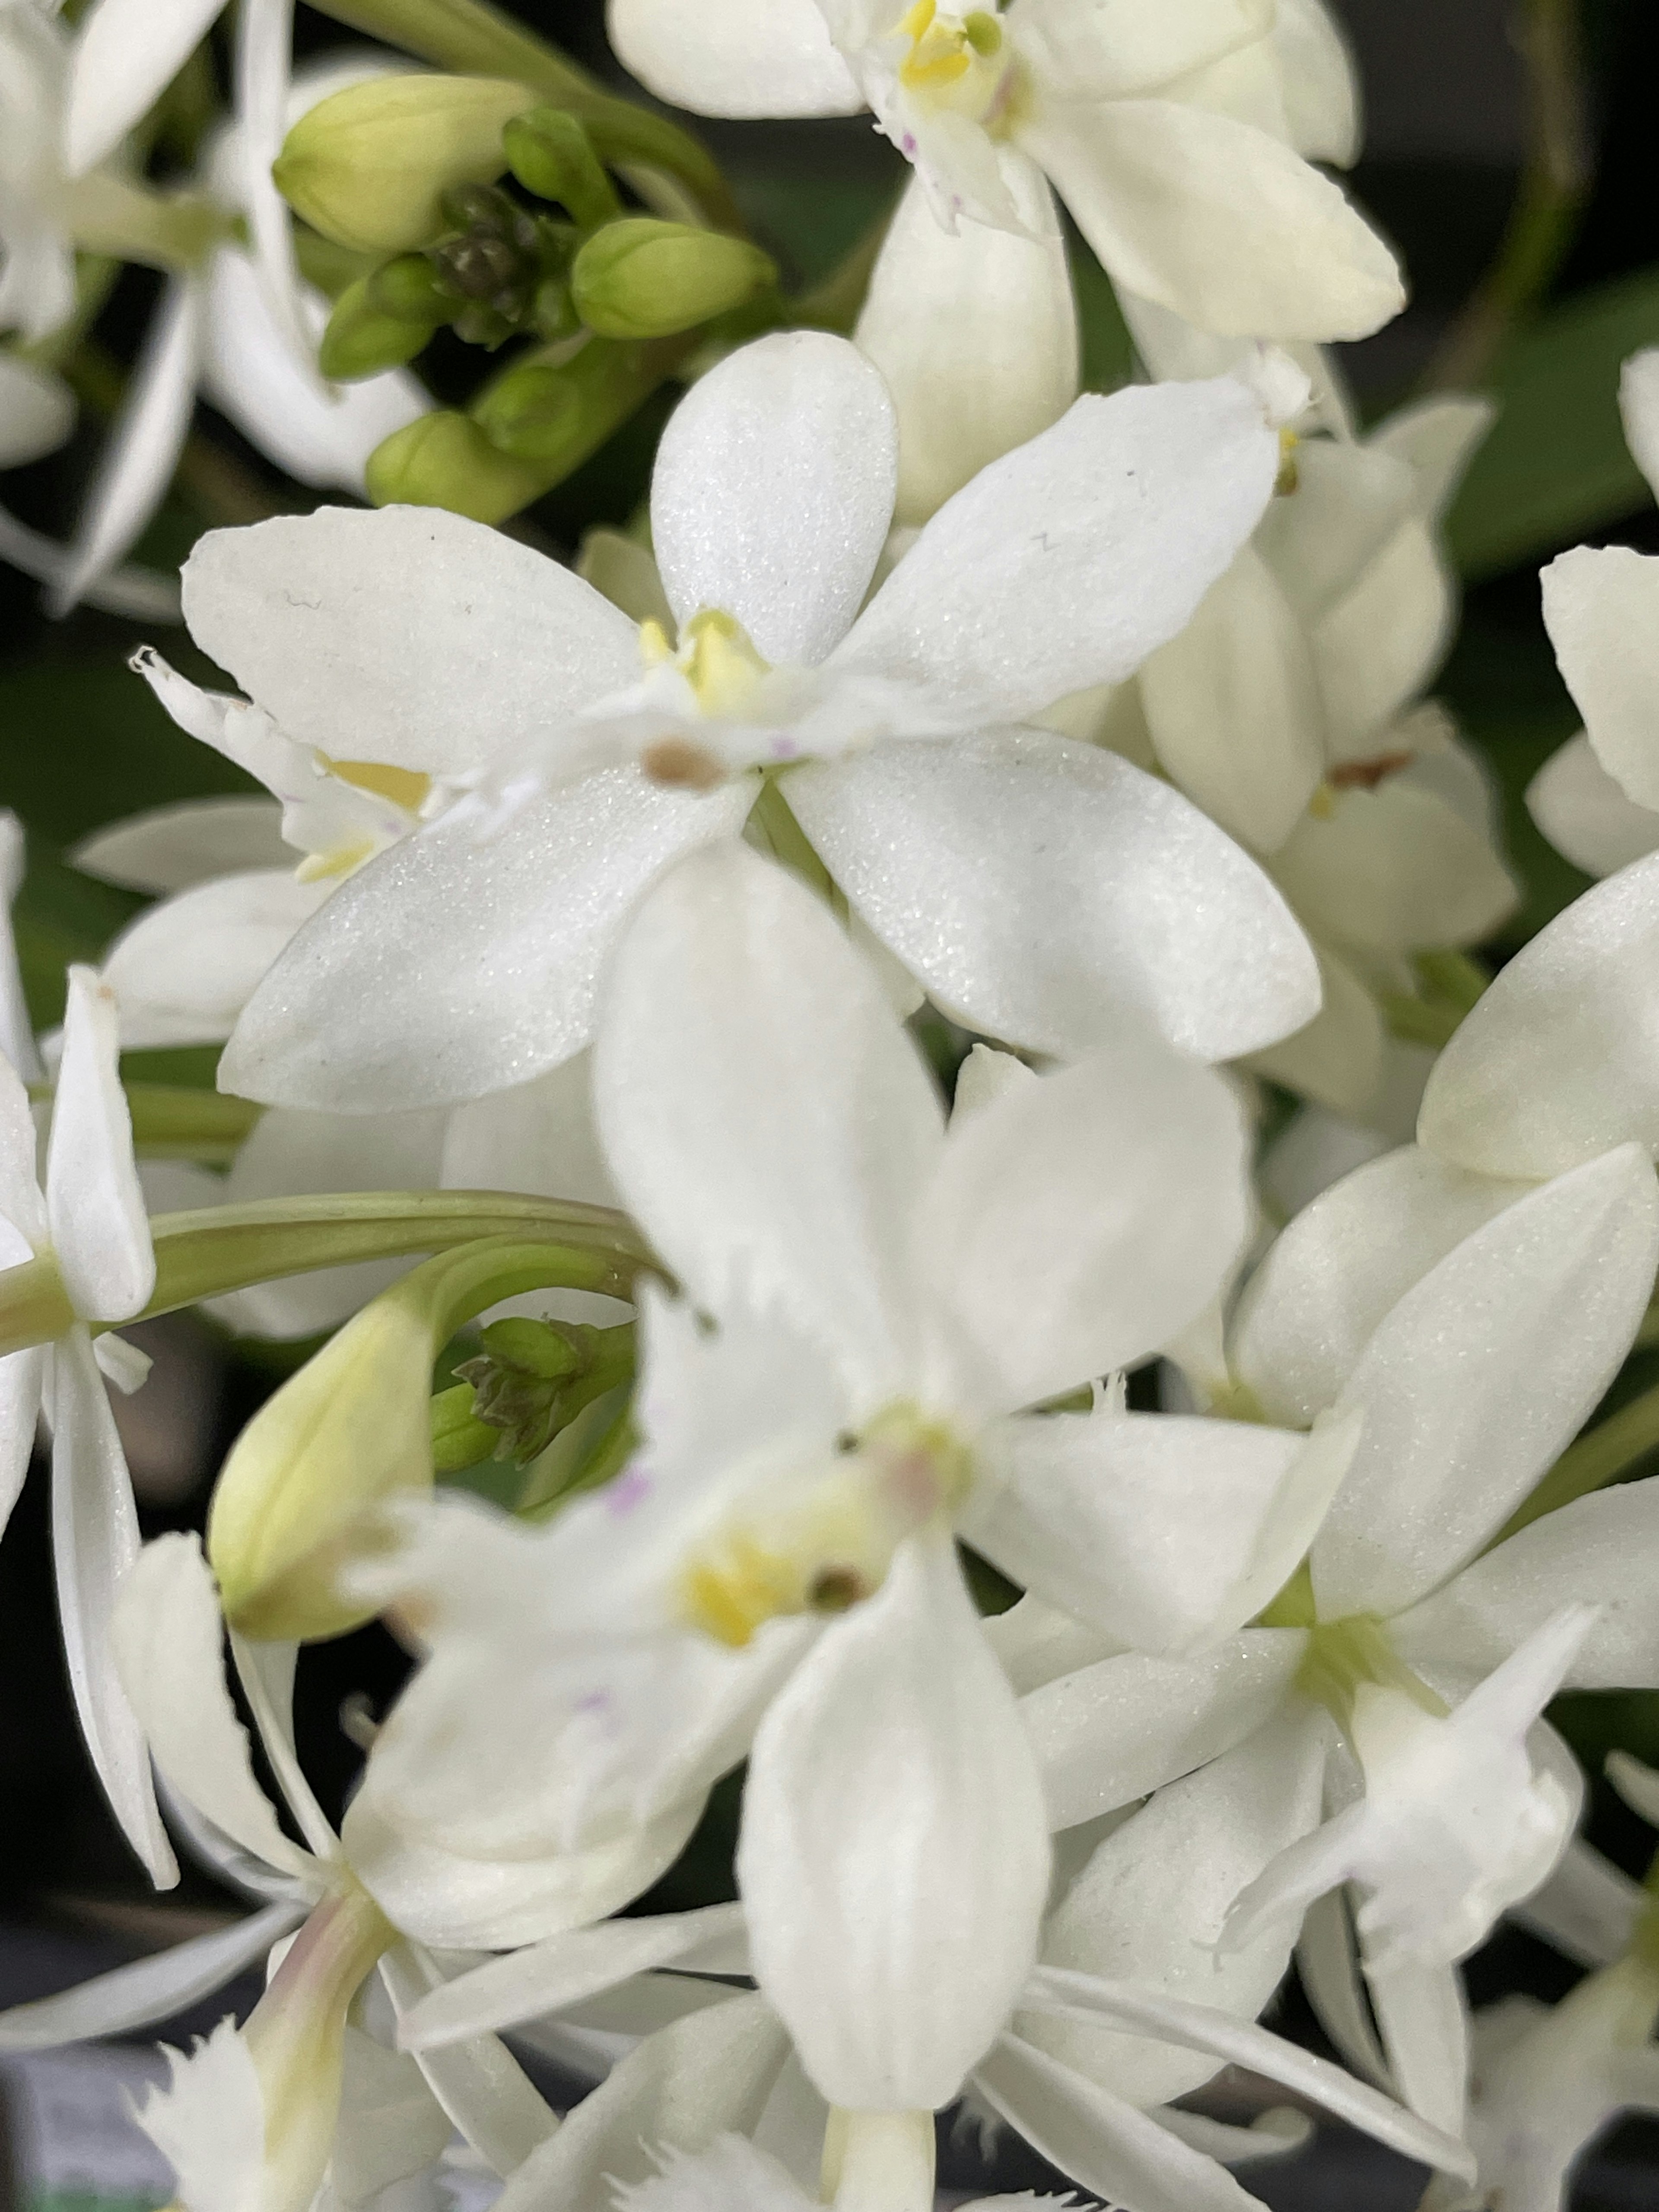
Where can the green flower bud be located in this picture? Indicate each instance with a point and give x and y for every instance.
(362, 338)
(447, 460)
(550, 155)
(460, 1438)
(533, 1378)
(557, 413)
(407, 286)
(640, 278)
(369, 166)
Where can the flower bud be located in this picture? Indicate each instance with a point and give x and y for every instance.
(368, 166)
(556, 414)
(445, 460)
(407, 286)
(641, 278)
(362, 338)
(551, 156)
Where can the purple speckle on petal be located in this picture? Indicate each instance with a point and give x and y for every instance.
(594, 1702)
(628, 1492)
(910, 141)
(784, 748)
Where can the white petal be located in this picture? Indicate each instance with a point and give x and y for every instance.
(23, 1226)
(1150, 1904)
(18, 1044)
(740, 57)
(732, 2175)
(391, 2127)
(1638, 410)
(453, 964)
(264, 38)
(539, 1136)
(1327, 1281)
(479, 2084)
(1585, 814)
(1394, 871)
(1327, 1966)
(1556, 1062)
(139, 594)
(1113, 1731)
(1217, 220)
(1638, 1785)
(1480, 1375)
(321, 433)
(976, 335)
(142, 450)
(209, 2122)
(1065, 561)
(99, 1228)
(803, 1122)
(1381, 643)
(1106, 49)
(1336, 1059)
(1078, 1222)
(1437, 438)
(1425, 2029)
(1169, 1533)
(704, 2076)
(1098, 2140)
(1600, 604)
(894, 1858)
(126, 55)
(184, 970)
(1348, 502)
(1321, 97)
(1200, 2028)
(1316, 1150)
(1587, 1909)
(21, 1374)
(773, 491)
(148, 1989)
(1234, 709)
(409, 635)
(170, 849)
(961, 855)
(167, 1637)
(1601, 1551)
(547, 1977)
(94, 1541)
(37, 412)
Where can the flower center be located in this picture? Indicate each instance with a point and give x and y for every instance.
(954, 62)
(829, 1544)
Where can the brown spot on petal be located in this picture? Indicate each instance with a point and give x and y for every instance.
(1366, 774)
(682, 765)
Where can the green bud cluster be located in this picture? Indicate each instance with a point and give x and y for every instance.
(530, 1381)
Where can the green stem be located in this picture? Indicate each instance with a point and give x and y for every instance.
(789, 842)
(1418, 1021)
(1553, 188)
(1595, 1461)
(175, 1122)
(1453, 978)
(200, 1254)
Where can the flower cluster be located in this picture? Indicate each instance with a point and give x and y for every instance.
(807, 992)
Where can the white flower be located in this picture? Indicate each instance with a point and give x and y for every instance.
(89, 1219)
(1175, 138)
(467, 958)
(885, 1297)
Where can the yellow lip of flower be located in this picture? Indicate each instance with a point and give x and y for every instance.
(953, 61)
(404, 787)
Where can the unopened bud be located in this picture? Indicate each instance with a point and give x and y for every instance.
(362, 338)
(641, 278)
(550, 155)
(407, 286)
(460, 1438)
(369, 166)
(557, 413)
(445, 460)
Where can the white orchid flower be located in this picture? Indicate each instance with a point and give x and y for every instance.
(89, 1218)
(1597, 799)
(468, 958)
(886, 1300)
(1172, 141)
(1467, 1390)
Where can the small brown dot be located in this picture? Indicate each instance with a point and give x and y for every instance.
(683, 766)
(836, 1589)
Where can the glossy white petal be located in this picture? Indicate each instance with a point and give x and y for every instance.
(22, 1376)
(99, 1231)
(1327, 1967)
(407, 636)
(1600, 605)
(37, 412)
(1321, 91)
(773, 1136)
(1106, 49)
(1588, 1908)
(168, 1638)
(1115, 1730)
(961, 856)
(894, 1859)
(264, 39)
(1333, 1273)
(1638, 410)
(1337, 1060)
(1076, 1223)
(1348, 502)
(142, 448)
(1601, 1551)
(1480, 1375)
(1394, 871)
(478, 2083)
(976, 335)
(1436, 438)
(184, 970)
(1558, 1060)
(773, 491)
(210, 2121)
(1065, 563)
(539, 1136)
(94, 1533)
(739, 57)
(1586, 815)
(1234, 709)
(1167, 1532)
(702, 2077)
(18, 1044)
(732, 2175)
(456, 964)
(1216, 220)
(1381, 643)
(171, 848)
(126, 55)
(23, 1226)
(1424, 2027)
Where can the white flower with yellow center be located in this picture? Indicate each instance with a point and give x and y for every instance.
(882, 748)
(1176, 136)
(870, 1302)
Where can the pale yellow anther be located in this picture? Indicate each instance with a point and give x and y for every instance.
(720, 665)
(1289, 474)
(953, 60)
(338, 861)
(654, 648)
(1322, 804)
(404, 787)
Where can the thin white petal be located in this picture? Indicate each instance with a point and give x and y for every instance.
(479, 2084)
(1425, 2029)
(183, 971)
(1598, 607)
(37, 412)
(126, 53)
(743, 57)
(169, 848)
(139, 594)
(1587, 1909)
(98, 1228)
(1585, 815)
